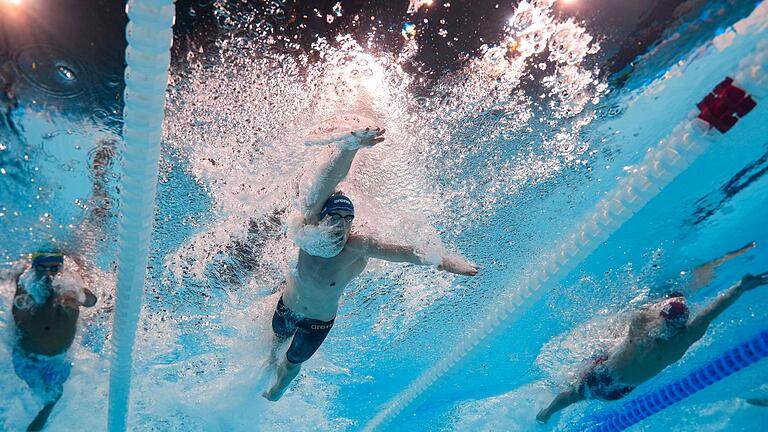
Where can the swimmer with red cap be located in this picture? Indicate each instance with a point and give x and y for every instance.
(659, 335)
(331, 255)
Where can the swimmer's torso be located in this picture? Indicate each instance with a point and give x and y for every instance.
(47, 329)
(640, 358)
(316, 286)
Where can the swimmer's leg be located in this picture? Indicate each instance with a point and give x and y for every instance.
(705, 273)
(277, 342)
(42, 417)
(286, 372)
(306, 341)
(563, 400)
(283, 328)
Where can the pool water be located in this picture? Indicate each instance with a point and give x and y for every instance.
(497, 159)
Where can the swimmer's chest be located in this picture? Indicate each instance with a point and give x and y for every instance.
(48, 329)
(657, 354)
(334, 273)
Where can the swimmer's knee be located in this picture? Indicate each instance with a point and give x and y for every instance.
(291, 365)
(279, 338)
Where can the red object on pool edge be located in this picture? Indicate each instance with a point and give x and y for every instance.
(721, 107)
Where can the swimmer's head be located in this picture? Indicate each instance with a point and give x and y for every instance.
(39, 280)
(336, 220)
(675, 313)
(338, 207)
(47, 264)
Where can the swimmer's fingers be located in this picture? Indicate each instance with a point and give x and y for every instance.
(338, 238)
(750, 281)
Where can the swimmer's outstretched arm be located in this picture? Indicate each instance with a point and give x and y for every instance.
(373, 248)
(703, 319)
(704, 274)
(336, 168)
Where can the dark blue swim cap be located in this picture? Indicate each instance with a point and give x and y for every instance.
(337, 202)
(39, 258)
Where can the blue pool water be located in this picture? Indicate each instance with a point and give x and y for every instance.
(470, 164)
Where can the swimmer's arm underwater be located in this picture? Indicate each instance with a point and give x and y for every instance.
(374, 248)
(70, 299)
(10, 274)
(703, 319)
(335, 170)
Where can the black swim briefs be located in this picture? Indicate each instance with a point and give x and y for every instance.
(308, 334)
(599, 383)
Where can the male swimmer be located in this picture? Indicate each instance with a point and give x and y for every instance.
(659, 335)
(308, 306)
(45, 310)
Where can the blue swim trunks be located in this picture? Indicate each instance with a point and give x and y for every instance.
(308, 334)
(43, 374)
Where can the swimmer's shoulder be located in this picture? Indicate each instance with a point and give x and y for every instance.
(12, 273)
(358, 243)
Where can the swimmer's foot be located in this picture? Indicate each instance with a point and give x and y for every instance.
(272, 395)
(285, 374)
(275, 392)
(543, 416)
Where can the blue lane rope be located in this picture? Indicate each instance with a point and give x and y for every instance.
(650, 403)
(149, 35)
(659, 167)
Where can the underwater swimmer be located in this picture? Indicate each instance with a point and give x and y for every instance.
(659, 335)
(310, 300)
(45, 310)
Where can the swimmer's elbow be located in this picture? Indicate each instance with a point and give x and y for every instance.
(90, 299)
(697, 329)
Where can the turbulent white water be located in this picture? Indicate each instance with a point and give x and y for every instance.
(247, 124)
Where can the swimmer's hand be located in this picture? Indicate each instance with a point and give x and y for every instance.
(750, 282)
(368, 137)
(67, 300)
(457, 265)
(90, 298)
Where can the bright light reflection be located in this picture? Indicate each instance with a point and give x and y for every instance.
(14, 2)
(415, 5)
